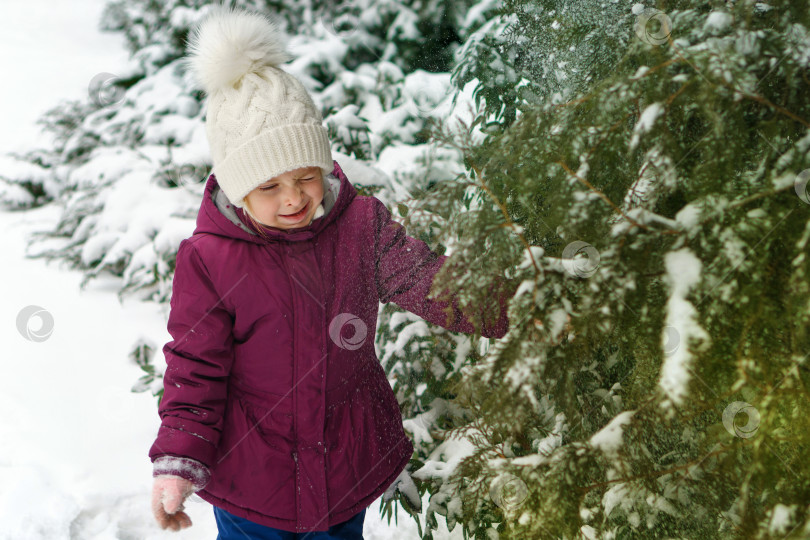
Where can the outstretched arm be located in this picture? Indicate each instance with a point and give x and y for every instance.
(404, 271)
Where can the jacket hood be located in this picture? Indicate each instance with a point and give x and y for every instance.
(218, 216)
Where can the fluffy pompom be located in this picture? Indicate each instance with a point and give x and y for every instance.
(230, 43)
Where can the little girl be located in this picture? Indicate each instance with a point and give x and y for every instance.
(275, 407)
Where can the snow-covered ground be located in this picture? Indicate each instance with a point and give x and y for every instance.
(73, 437)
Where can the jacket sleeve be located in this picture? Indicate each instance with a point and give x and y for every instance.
(190, 469)
(198, 362)
(404, 271)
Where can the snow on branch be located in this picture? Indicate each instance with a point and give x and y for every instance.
(683, 273)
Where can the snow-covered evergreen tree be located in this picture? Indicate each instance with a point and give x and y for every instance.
(654, 382)
(129, 163)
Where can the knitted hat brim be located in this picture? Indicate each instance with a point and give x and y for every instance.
(271, 153)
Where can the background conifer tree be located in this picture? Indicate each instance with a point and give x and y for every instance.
(651, 197)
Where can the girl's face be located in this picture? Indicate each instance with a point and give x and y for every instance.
(288, 200)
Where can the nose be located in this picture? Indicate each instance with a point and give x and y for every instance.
(292, 197)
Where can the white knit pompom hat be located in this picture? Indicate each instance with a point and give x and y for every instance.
(261, 121)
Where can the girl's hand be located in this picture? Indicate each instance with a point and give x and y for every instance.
(168, 494)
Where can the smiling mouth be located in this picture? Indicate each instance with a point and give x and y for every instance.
(297, 214)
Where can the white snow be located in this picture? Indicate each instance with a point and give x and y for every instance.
(683, 273)
(442, 462)
(589, 532)
(688, 216)
(640, 72)
(532, 255)
(781, 519)
(609, 438)
(648, 116)
(645, 122)
(617, 495)
(75, 437)
(49, 51)
(557, 320)
(718, 20)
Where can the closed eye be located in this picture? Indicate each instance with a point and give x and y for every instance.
(270, 187)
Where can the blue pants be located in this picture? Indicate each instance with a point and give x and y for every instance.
(233, 527)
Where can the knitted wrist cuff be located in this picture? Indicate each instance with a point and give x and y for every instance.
(190, 469)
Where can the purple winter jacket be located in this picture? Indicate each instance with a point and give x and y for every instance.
(275, 403)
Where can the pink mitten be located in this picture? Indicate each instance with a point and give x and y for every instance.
(168, 494)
